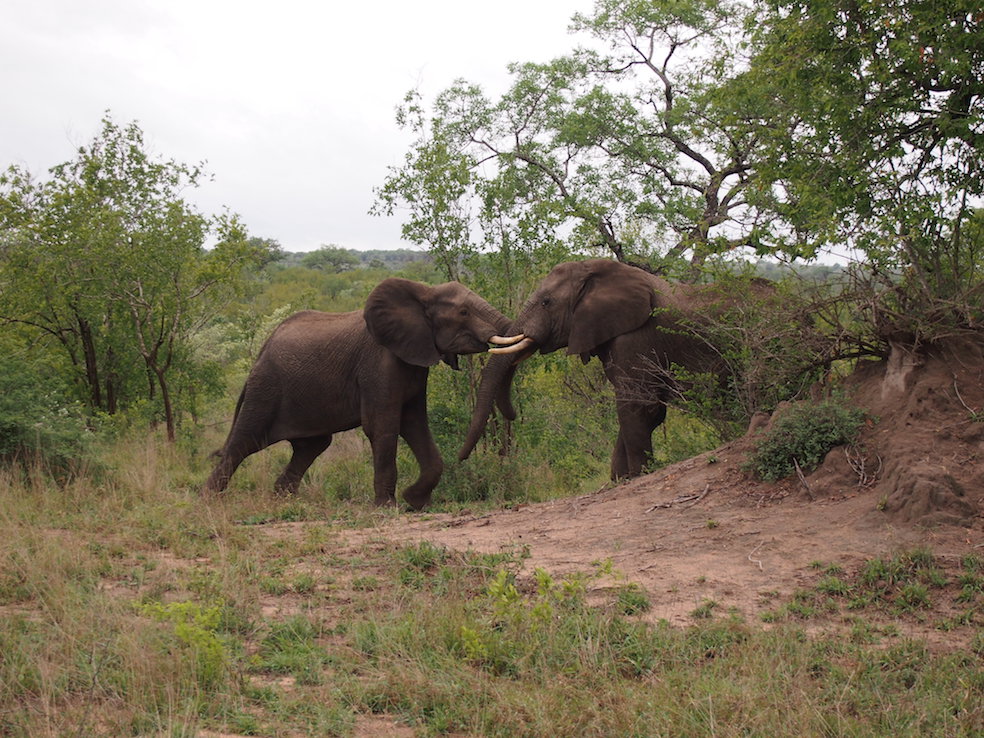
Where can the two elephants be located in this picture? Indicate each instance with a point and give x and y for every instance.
(322, 373)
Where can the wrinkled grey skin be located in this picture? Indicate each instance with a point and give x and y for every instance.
(630, 320)
(322, 373)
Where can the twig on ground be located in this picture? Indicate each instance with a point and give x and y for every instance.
(802, 478)
(756, 561)
(859, 463)
(692, 499)
(969, 408)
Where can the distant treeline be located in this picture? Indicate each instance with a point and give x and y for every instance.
(338, 259)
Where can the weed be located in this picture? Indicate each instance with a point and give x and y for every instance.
(291, 648)
(632, 600)
(832, 585)
(704, 611)
(196, 628)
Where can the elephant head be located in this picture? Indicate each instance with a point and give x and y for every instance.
(424, 324)
(578, 305)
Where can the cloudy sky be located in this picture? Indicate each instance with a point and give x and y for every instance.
(290, 103)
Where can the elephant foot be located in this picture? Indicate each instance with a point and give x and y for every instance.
(388, 501)
(215, 485)
(286, 488)
(415, 499)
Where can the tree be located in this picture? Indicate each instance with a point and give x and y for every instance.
(106, 260)
(631, 152)
(331, 258)
(436, 185)
(875, 138)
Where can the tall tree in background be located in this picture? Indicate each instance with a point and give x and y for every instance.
(107, 261)
(875, 138)
(629, 151)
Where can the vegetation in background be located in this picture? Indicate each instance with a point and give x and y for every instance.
(105, 262)
(871, 119)
(38, 420)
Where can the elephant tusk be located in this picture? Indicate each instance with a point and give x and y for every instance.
(506, 340)
(515, 348)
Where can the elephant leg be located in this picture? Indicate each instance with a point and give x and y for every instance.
(383, 465)
(636, 424)
(620, 462)
(416, 433)
(305, 451)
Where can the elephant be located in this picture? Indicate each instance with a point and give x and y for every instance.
(636, 323)
(321, 373)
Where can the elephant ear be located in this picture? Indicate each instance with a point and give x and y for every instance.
(396, 317)
(613, 299)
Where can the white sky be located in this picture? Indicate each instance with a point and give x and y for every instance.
(289, 102)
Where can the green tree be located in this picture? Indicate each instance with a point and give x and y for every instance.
(330, 258)
(630, 151)
(875, 138)
(435, 184)
(105, 259)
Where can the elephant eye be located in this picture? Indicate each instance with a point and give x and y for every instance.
(463, 312)
(545, 301)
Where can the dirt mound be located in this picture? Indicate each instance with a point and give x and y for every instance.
(929, 434)
(704, 530)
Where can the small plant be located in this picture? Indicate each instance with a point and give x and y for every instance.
(291, 648)
(365, 584)
(832, 585)
(802, 436)
(704, 611)
(196, 628)
(632, 600)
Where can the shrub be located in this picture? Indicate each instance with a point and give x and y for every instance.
(803, 435)
(36, 418)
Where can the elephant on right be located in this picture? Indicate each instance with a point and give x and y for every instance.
(636, 323)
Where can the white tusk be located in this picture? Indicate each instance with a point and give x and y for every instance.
(506, 340)
(515, 348)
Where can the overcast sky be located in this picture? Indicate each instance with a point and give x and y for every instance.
(290, 103)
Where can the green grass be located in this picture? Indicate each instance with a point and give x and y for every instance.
(130, 606)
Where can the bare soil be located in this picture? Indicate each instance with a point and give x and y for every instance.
(704, 529)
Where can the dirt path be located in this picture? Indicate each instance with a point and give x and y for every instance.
(695, 531)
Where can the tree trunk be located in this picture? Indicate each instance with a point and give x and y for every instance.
(166, 398)
(91, 364)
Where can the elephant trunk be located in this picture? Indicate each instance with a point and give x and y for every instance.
(496, 319)
(494, 388)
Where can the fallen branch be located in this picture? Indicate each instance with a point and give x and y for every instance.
(974, 413)
(802, 478)
(859, 464)
(693, 499)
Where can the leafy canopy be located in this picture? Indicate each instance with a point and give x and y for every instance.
(106, 262)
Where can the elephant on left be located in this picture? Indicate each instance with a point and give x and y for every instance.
(321, 373)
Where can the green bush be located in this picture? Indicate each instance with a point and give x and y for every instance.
(802, 435)
(36, 418)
